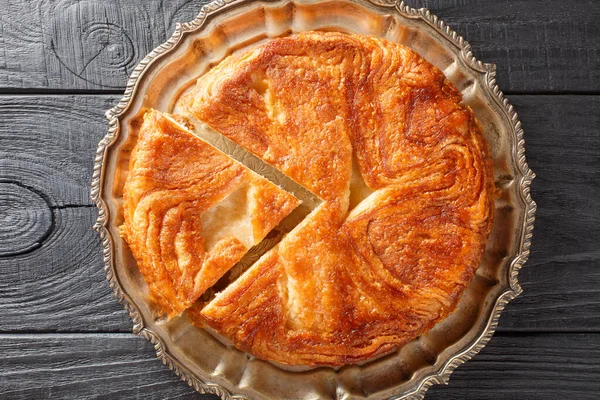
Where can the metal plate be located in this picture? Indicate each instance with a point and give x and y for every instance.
(196, 355)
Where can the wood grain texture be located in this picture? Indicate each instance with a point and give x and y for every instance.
(60, 286)
(25, 219)
(72, 44)
(529, 366)
(116, 366)
(121, 366)
(538, 45)
(561, 280)
(48, 143)
(50, 259)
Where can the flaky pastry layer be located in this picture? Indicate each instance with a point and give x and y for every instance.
(361, 276)
(190, 212)
(383, 138)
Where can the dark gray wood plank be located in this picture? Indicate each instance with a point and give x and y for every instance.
(529, 366)
(73, 44)
(538, 45)
(25, 219)
(60, 286)
(532, 366)
(47, 145)
(50, 259)
(563, 149)
(115, 366)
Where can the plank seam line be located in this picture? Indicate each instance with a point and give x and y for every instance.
(65, 206)
(63, 335)
(59, 92)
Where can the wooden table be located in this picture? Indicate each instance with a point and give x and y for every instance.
(63, 62)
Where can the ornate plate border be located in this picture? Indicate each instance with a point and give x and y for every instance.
(442, 376)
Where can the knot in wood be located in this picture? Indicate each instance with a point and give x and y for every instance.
(25, 219)
(89, 46)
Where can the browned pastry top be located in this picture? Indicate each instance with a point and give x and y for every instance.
(382, 137)
(191, 212)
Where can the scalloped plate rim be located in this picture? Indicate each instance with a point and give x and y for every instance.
(440, 376)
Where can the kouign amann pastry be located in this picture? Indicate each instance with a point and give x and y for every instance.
(402, 169)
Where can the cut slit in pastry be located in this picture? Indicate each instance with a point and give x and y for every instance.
(190, 212)
(404, 173)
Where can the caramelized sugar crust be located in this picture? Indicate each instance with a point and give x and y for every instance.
(188, 211)
(350, 284)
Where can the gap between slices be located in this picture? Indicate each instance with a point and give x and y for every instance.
(308, 200)
(358, 191)
(191, 212)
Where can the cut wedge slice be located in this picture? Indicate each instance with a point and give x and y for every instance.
(192, 212)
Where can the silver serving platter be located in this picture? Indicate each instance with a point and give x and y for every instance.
(207, 364)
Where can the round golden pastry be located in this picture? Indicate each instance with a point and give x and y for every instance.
(405, 175)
